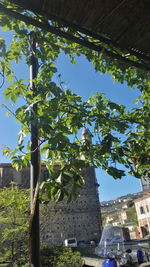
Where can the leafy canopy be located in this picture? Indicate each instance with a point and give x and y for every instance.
(14, 212)
(122, 136)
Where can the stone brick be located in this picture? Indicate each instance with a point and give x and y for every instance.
(80, 218)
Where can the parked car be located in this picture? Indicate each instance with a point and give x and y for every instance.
(70, 242)
(82, 243)
(92, 243)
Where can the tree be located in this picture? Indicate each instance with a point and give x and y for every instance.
(62, 113)
(58, 256)
(14, 213)
(132, 216)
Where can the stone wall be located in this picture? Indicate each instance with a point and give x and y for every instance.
(80, 218)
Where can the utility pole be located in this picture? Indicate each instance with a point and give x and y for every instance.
(34, 233)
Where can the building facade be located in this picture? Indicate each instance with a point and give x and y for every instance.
(80, 218)
(142, 206)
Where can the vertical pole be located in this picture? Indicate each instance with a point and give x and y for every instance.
(34, 239)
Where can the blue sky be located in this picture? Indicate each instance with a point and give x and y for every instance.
(83, 80)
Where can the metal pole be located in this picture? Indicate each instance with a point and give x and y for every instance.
(34, 238)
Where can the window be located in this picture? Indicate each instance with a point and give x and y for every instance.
(142, 210)
(147, 208)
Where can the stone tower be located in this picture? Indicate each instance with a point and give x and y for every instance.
(80, 218)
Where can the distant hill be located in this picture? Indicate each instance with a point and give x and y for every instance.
(116, 204)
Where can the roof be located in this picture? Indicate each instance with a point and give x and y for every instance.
(9, 165)
(141, 199)
(119, 23)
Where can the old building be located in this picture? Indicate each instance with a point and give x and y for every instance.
(81, 218)
(142, 206)
(118, 218)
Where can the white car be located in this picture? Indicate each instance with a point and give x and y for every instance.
(70, 242)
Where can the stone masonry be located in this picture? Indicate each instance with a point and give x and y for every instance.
(80, 218)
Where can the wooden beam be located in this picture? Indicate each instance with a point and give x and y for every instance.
(83, 42)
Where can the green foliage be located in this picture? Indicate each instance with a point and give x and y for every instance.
(58, 256)
(132, 215)
(14, 212)
(122, 136)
